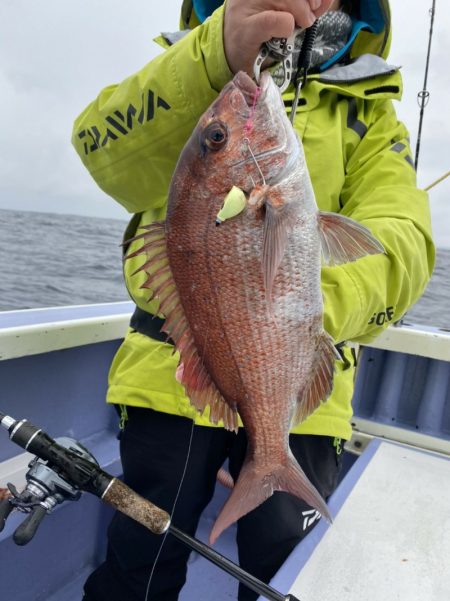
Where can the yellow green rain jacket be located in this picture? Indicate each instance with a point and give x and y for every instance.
(360, 164)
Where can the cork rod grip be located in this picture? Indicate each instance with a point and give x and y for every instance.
(125, 500)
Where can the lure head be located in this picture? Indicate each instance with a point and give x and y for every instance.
(234, 203)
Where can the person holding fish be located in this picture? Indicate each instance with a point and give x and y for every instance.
(267, 229)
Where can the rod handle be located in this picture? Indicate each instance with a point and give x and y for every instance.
(125, 500)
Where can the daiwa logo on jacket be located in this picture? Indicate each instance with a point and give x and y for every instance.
(120, 123)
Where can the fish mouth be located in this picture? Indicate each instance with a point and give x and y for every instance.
(247, 86)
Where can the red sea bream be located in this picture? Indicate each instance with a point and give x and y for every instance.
(242, 299)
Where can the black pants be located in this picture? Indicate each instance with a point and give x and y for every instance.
(153, 450)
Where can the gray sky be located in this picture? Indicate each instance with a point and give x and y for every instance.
(56, 55)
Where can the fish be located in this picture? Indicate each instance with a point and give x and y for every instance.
(240, 289)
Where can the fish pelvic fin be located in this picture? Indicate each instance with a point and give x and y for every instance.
(277, 224)
(320, 384)
(191, 372)
(345, 240)
(256, 484)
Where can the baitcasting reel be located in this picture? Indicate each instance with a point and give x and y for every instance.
(43, 491)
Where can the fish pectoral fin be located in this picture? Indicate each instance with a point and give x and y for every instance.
(191, 372)
(320, 383)
(277, 224)
(345, 240)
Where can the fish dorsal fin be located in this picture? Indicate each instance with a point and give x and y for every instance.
(191, 372)
(276, 230)
(320, 383)
(345, 240)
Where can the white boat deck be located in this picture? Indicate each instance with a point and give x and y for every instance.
(390, 539)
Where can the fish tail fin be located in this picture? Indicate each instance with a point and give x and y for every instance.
(255, 485)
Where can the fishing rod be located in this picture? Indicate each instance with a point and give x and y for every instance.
(424, 95)
(63, 468)
(437, 181)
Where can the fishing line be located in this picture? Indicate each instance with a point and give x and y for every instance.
(256, 162)
(249, 123)
(172, 512)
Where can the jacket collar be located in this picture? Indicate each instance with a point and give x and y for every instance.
(373, 39)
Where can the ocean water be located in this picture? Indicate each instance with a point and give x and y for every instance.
(49, 260)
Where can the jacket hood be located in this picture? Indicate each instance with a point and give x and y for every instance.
(371, 32)
(373, 17)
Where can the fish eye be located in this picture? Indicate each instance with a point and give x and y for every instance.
(215, 135)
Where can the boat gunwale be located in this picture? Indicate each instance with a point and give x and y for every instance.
(34, 331)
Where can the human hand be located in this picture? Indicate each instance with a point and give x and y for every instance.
(250, 23)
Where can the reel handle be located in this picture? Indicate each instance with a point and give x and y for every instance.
(27, 529)
(5, 509)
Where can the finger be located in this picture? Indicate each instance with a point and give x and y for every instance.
(315, 4)
(301, 11)
(323, 6)
(270, 24)
(305, 11)
(260, 28)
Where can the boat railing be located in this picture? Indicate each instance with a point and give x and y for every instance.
(402, 389)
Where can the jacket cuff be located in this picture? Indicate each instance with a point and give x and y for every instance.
(343, 303)
(198, 67)
(216, 65)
